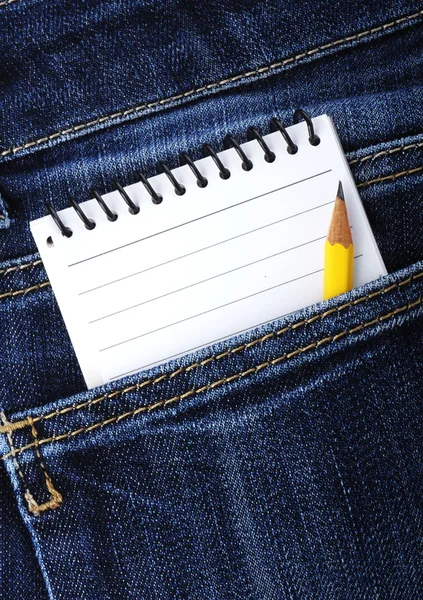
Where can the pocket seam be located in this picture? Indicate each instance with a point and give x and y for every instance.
(206, 87)
(56, 498)
(32, 288)
(12, 426)
(391, 177)
(387, 152)
(7, 2)
(213, 385)
(8, 270)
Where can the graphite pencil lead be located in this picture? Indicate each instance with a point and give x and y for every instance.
(339, 229)
(340, 193)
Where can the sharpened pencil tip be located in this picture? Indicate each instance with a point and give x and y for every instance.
(340, 193)
(339, 229)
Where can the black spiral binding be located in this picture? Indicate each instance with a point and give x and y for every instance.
(184, 159)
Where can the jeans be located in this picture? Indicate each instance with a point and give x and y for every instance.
(285, 462)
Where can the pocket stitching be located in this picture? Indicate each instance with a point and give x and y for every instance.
(387, 152)
(13, 426)
(391, 177)
(32, 288)
(8, 270)
(210, 386)
(226, 353)
(179, 96)
(55, 496)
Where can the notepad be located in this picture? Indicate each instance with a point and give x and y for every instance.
(203, 266)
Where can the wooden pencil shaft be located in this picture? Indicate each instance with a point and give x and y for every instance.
(339, 229)
(339, 251)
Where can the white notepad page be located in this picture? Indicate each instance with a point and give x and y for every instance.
(207, 265)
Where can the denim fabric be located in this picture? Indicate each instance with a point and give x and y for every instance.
(285, 463)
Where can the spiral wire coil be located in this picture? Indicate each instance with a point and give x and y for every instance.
(184, 159)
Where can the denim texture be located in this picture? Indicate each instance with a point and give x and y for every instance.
(284, 463)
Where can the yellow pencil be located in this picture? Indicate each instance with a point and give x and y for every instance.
(339, 251)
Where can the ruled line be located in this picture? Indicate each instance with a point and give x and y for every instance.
(225, 337)
(208, 343)
(207, 279)
(209, 311)
(199, 218)
(205, 248)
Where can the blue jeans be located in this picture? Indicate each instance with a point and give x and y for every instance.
(286, 462)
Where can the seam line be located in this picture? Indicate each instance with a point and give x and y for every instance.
(149, 382)
(28, 496)
(388, 152)
(6, 2)
(391, 177)
(32, 503)
(179, 96)
(55, 497)
(32, 288)
(253, 370)
(34, 263)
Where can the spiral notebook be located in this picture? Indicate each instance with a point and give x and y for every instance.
(200, 267)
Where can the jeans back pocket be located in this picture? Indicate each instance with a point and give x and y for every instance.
(282, 461)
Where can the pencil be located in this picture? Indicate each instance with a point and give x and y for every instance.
(339, 251)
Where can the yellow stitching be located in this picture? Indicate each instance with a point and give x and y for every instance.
(182, 95)
(6, 429)
(9, 427)
(19, 424)
(6, 2)
(230, 351)
(32, 504)
(402, 148)
(56, 498)
(135, 387)
(33, 288)
(20, 267)
(219, 382)
(391, 177)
